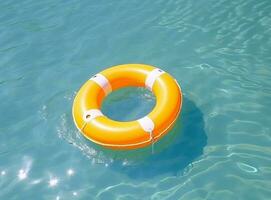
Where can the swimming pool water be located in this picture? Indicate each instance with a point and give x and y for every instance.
(219, 51)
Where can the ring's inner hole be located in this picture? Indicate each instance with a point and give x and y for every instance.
(129, 103)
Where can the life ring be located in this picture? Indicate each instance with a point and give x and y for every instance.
(98, 128)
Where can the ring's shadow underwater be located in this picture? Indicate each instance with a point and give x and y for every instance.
(175, 151)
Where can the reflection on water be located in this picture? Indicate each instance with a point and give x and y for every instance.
(219, 51)
(178, 149)
(53, 181)
(129, 103)
(70, 172)
(173, 153)
(22, 174)
(247, 168)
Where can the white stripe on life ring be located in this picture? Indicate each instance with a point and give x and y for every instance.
(152, 77)
(102, 81)
(147, 124)
(91, 114)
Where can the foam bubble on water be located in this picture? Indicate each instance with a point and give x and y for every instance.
(125, 162)
(74, 137)
(43, 112)
(69, 96)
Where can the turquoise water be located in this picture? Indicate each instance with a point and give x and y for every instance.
(219, 51)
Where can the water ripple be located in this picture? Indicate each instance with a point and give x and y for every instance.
(219, 51)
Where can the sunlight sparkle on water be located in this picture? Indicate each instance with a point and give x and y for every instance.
(74, 193)
(22, 174)
(70, 172)
(53, 182)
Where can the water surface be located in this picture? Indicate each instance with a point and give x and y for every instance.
(219, 51)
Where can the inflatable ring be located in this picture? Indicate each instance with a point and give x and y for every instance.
(98, 128)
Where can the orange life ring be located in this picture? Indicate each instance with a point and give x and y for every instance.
(127, 134)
